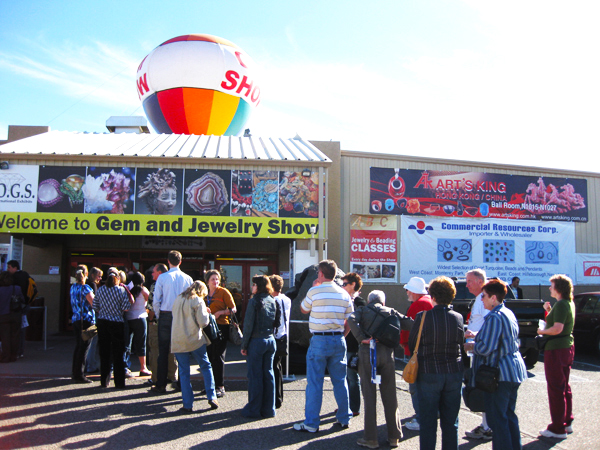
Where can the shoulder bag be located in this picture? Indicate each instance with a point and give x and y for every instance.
(16, 301)
(542, 339)
(412, 367)
(235, 333)
(212, 331)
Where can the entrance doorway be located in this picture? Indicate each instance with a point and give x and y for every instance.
(237, 277)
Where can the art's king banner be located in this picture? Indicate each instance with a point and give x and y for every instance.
(374, 247)
(477, 195)
(532, 251)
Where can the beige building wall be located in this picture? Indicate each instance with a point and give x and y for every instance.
(355, 186)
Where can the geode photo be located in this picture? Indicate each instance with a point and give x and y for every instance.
(207, 192)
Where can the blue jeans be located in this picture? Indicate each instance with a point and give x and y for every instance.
(439, 392)
(92, 360)
(183, 359)
(261, 379)
(412, 390)
(353, 386)
(500, 413)
(326, 352)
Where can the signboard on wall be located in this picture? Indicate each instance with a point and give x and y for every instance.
(374, 248)
(477, 195)
(588, 268)
(158, 202)
(533, 251)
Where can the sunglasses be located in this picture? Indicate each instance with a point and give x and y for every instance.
(345, 283)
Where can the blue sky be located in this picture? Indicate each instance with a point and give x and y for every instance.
(500, 81)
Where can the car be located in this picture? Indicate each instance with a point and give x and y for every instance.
(587, 319)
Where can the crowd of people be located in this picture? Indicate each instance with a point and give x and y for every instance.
(164, 324)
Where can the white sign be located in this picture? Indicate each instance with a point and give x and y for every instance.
(18, 188)
(533, 251)
(588, 268)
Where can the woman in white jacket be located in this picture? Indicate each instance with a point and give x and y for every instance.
(190, 316)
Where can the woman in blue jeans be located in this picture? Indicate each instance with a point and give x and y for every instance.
(190, 316)
(258, 346)
(496, 345)
(439, 381)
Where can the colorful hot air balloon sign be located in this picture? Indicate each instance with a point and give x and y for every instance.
(198, 84)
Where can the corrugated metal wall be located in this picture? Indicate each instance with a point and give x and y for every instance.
(356, 183)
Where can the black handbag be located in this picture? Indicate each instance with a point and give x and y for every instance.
(473, 397)
(487, 378)
(352, 361)
(16, 301)
(542, 339)
(235, 333)
(212, 331)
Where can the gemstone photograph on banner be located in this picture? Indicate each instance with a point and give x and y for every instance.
(207, 192)
(299, 194)
(265, 193)
(109, 190)
(60, 189)
(241, 193)
(159, 191)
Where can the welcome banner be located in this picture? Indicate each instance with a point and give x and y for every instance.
(159, 201)
(533, 251)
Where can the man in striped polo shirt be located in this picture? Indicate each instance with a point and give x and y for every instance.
(328, 305)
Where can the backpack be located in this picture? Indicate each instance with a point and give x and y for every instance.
(31, 290)
(388, 331)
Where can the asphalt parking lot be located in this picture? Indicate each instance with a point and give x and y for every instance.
(40, 408)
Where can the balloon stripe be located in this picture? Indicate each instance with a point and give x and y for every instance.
(223, 111)
(201, 37)
(198, 104)
(239, 120)
(172, 107)
(155, 115)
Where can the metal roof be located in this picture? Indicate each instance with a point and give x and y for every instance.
(251, 148)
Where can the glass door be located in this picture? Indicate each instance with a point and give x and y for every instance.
(237, 277)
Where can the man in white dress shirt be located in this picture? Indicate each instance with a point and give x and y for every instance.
(168, 286)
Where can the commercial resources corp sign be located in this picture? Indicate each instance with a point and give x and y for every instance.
(533, 251)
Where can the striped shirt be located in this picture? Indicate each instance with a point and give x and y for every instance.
(441, 340)
(111, 303)
(496, 345)
(329, 306)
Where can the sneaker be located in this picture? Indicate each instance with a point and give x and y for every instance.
(129, 374)
(413, 425)
(480, 433)
(213, 404)
(343, 426)
(369, 444)
(393, 443)
(302, 427)
(550, 434)
(569, 429)
(220, 392)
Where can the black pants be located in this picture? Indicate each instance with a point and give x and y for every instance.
(278, 372)
(216, 354)
(111, 342)
(10, 326)
(165, 323)
(81, 349)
